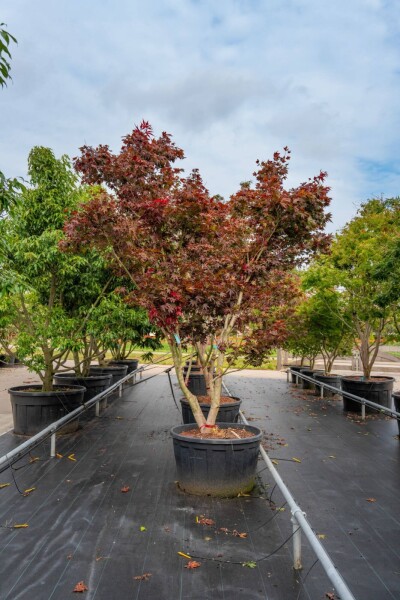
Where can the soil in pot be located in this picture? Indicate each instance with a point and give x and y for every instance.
(216, 466)
(34, 410)
(377, 389)
(228, 410)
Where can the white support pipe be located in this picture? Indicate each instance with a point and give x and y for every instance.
(296, 544)
(97, 409)
(363, 412)
(298, 515)
(120, 391)
(322, 391)
(53, 445)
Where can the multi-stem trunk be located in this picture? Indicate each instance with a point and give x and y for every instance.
(369, 350)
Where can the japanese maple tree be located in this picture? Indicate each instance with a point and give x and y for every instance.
(212, 274)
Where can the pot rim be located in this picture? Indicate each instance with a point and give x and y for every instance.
(258, 434)
(26, 390)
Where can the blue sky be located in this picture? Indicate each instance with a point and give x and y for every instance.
(231, 80)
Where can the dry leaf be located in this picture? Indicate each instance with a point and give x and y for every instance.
(33, 459)
(275, 462)
(143, 528)
(4, 485)
(184, 555)
(192, 564)
(321, 536)
(29, 491)
(330, 595)
(72, 457)
(296, 459)
(144, 577)
(238, 534)
(80, 587)
(20, 525)
(331, 456)
(58, 455)
(204, 521)
(371, 499)
(224, 529)
(125, 489)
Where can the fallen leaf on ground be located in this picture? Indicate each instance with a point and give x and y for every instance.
(371, 499)
(72, 457)
(207, 539)
(330, 595)
(238, 534)
(321, 536)
(125, 489)
(20, 525)
(144, 577)
(275, 462)
(296, 459)
(205, 521)
(184, 555)
(4, 485)
(331, 456)
(80, 587)
(59, 455)
(33, 459)
(29, 491)
(143, 528)
(224, 529)
(192, 564)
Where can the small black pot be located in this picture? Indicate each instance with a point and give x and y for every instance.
(132, 364)
(228, 412)
(33, 410)
(308, 385)
(396, 400)
(297, 369)
(222, 468)
(376, 391)
(333, 380)
(94, 384)
(117, 372)
(196, 381)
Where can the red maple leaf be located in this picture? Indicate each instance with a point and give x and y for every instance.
(80, 587)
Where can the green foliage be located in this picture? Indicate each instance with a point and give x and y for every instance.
(5, 55)
(120, 328)
(45, 292)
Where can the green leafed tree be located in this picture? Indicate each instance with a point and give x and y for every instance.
(39, 283)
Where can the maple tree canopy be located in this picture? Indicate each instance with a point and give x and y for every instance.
(212, 273)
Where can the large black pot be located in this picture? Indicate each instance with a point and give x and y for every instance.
(117, 371)
(333, 380)
(396, 400)
(94, 384)
(377, 389)
(33, 410)
(196, 380)
(308, 385)
(228, 412)
(296, 369)
(223, 468)
(132, 364)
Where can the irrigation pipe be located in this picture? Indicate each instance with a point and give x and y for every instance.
(299, 520)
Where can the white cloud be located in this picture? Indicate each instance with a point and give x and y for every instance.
(232, 80)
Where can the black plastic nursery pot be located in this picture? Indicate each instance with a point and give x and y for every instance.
(228, 412)
(196, 381)
(116, 371)
(33, 410)
(297, 369)
(333, 380)
(132, 364)
(377, 389)
(94, 384)
(308, 385)
(396, 400)
(221, 468)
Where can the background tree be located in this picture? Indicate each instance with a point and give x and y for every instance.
(355, 255)
(207, 271)
(38, 279)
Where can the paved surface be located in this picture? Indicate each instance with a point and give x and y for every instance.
(83, 528)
